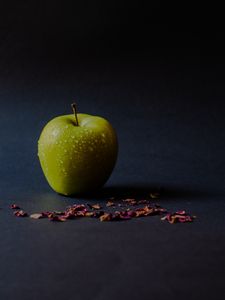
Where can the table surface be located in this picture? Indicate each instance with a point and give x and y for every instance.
(170, 123)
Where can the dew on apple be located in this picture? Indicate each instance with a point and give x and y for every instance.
(70, 162)
(55, 132)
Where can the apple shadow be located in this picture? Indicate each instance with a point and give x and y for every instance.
(143, 192)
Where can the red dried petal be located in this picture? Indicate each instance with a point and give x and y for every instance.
(68, 216)
(20, 213)
(122, 215)
(181, 212)
(78, 207)
(58, 218)
(14, 206)
(131, 213)
(178, 217)
(77, 210)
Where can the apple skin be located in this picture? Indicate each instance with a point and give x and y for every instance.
(77, 159)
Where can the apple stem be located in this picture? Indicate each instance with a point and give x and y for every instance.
(74, 108)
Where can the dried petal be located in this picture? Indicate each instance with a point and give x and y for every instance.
(144, 201)
(106, 217)
(139, 213)
(14, 206)
(131, 213)
(68, 216)
(94, 214)
(110, 203)
(77, 207)
(20, 213)
(56, 212)
(36, 216)
(160, 209)
(89, 214)
(47, 214)
(57, 218)
(181, 212)
(148, 211)
(77, 210)
(178, 217)
(130, 201)
(122, 215)
(94, 206)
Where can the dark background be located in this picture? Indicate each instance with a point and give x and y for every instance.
(156, 71)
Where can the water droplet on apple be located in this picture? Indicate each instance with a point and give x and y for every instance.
(54, 132)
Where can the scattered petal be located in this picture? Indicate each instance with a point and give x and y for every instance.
(122, 215)
(178, 217)
(94, 206)
(94, 214)
(20, 213)
(106, 217)
(110, 203)
(130, 201)
(58, 212)
(57, 218)
(14, 206)
(46, 214)
(144, 201)
(36, 216)
(89, 214)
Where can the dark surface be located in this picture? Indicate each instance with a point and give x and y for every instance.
(165, 97)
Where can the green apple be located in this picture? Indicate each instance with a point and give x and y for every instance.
(77, 152)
